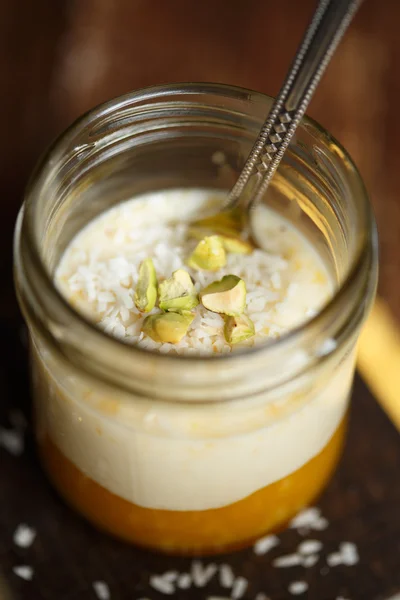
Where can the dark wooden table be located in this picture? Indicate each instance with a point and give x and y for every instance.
(58, 59)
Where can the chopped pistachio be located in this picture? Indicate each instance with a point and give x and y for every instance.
(177, 293)
(227, 296)
(146, 290)
(238, 328)
(167, 327)
(209, 255)
(229, 238)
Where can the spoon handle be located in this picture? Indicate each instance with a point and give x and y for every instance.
(330, 20)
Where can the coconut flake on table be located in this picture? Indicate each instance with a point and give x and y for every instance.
(101, 590)
(334, 559)
(309, 518)
(162, 585)
(310, 547)
(12, 440)
(99, 273)
(24, 536)
(170, 575)
(310, 560)
(265, 544)
(202, 575)
(298, 587)
(239, 588)
(347, 555)
(184, 581)
(24, 572)
(289, 560)
(226, 576)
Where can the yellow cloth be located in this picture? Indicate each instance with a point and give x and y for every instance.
(379, 359)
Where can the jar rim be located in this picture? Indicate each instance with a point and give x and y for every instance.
(25, 225)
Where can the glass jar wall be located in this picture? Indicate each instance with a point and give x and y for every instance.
(191, 454)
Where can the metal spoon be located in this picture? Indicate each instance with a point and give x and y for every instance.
(329, 22)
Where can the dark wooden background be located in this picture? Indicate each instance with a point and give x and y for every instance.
(58, 58)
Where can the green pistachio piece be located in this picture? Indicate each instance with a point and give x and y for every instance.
(178, 292)
(146, 290)
(238, 328)
(167, 327)
(229, 238)
(209, 255)
(227, 296)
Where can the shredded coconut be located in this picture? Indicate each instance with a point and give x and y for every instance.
(328, 346)
(298, 587)
(162, 585)
(184, 581)
(23, 571)
(349, 553)
(170, 575)
(101, 590)
(24, 536)
(265, 544)
(305, 518)
(226, 576)
(334, 559)
(321, 524)
(202, 575)
(310, 547)
(289, 560)
(239, 588)
(310, 560)
(12, 441)
(310, 518)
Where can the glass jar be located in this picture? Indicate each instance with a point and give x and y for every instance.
(189, 454)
